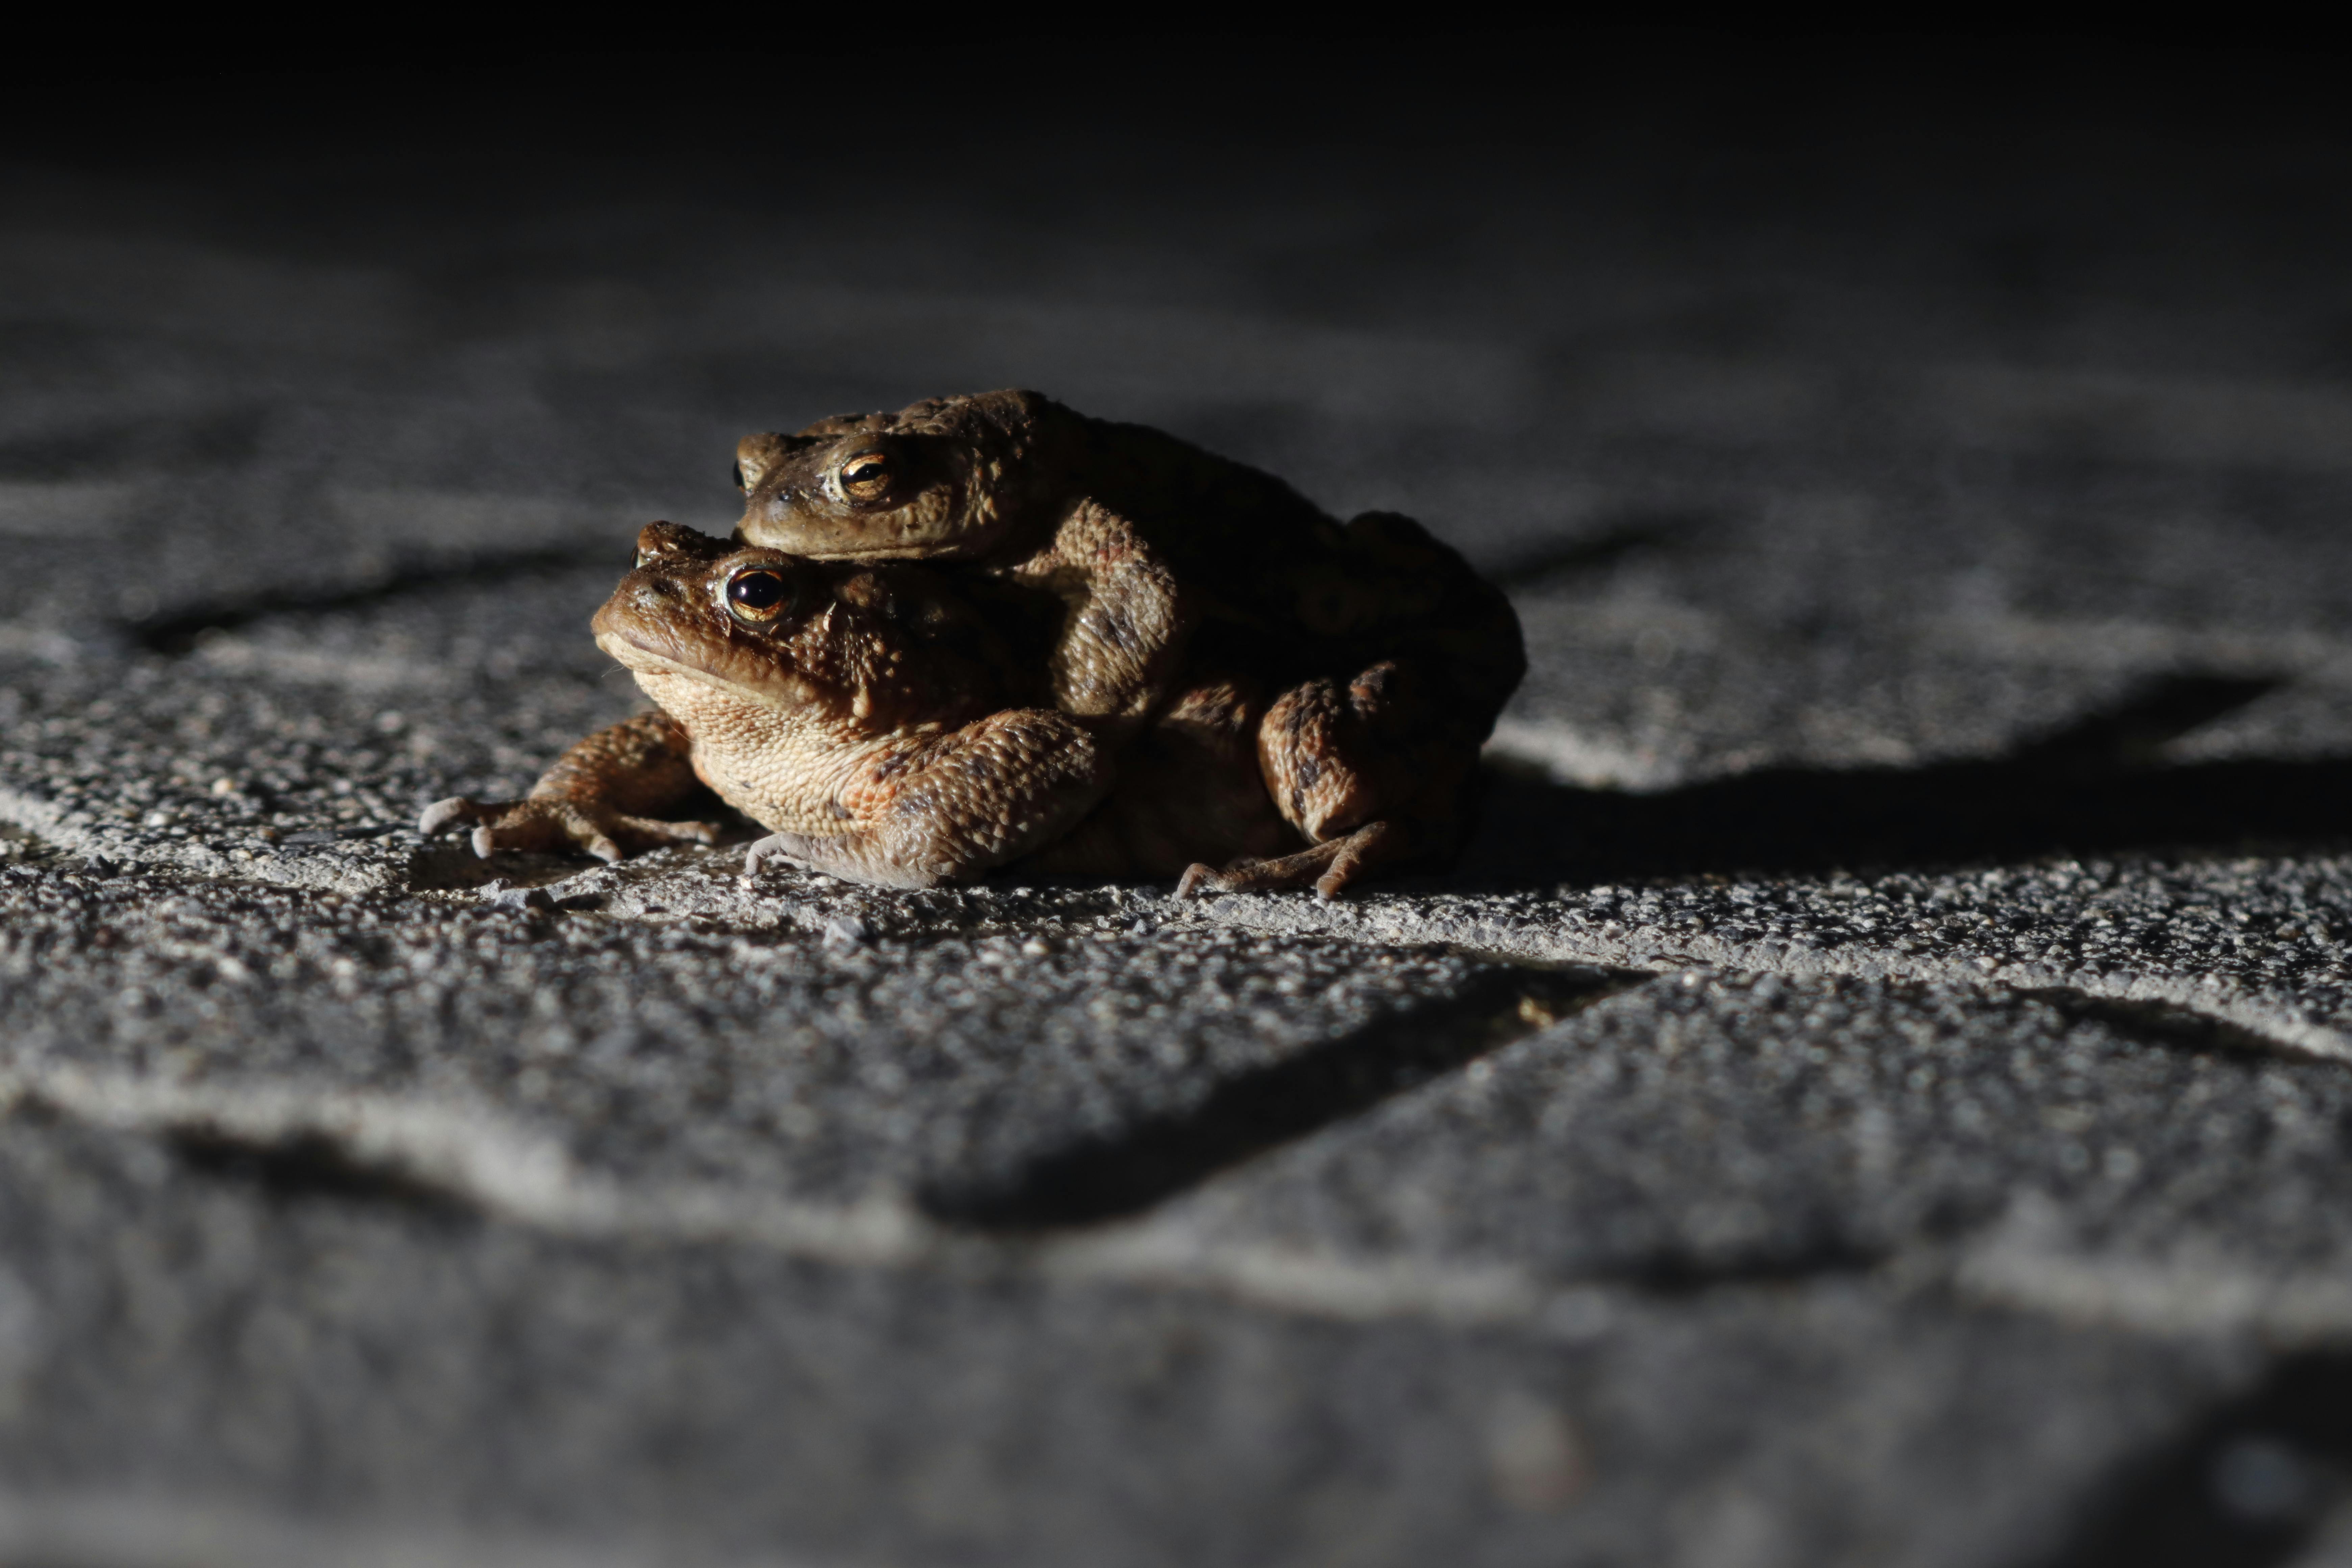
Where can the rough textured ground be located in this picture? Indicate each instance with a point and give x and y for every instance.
(1878, 1090)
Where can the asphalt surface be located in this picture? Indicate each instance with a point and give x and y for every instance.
(1878, 1089)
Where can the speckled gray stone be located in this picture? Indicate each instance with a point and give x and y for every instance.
(388, 1368)
(1706, 1129)
(801, 1070)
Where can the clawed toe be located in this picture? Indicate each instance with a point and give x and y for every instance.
(552, 825)
(774, 846)
(442, 813)
(1198, 876)
(1327, 868)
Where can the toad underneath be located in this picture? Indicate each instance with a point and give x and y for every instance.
(868, 717)
(1144, 574)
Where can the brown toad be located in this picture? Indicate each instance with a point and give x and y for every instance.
(871, 719)
(1391, 656)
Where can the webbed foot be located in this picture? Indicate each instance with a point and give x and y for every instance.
(552, 825)
(1329, 867)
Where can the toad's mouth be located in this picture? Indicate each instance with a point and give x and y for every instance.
(753, 680)
(916, 550)
(638, 653)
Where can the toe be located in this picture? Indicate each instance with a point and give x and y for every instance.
(442, 813)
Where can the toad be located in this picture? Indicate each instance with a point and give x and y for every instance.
(872, 720)
(1391, 656)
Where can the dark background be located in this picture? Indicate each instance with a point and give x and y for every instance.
(1823, 335)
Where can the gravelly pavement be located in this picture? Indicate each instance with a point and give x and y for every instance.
(1873, 1091)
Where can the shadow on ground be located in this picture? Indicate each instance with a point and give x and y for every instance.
(2094, 788)
(2244, 1489)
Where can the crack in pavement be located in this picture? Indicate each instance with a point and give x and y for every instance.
(291, 1167)
(439, 1162)
(1143, 1165)
(1499, 930)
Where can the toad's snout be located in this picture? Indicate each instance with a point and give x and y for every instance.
(646, 599)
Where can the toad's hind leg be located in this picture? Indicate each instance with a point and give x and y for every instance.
(1368, 772)
(1384, 747)
(1329, 865)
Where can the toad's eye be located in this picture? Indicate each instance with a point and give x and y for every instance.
(865, 476)
(739, 478)
(759, 594)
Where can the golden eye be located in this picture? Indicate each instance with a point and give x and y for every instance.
(865, 476)
(760, 594)
(739, 478)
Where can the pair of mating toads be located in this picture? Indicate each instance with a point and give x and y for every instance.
(1130, 658)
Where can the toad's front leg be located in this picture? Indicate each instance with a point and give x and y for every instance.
(596, 798)
(1127, 623)
(919, 811)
